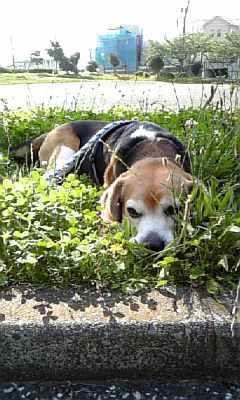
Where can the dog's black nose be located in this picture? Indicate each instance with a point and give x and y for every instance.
(154, 242)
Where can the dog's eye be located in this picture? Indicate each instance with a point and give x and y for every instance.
(133, 213)
(170, 211)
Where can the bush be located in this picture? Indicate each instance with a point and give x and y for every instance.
(166, 74)
(92, 66)
(146, 75)
(41, 71)
(4, 70)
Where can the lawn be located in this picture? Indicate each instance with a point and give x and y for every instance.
(53, 235)
(29, 78)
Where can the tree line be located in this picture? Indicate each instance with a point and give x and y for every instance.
(62, 62)
(188, 52)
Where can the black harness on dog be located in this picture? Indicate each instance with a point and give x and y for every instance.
(85, 159)
(90, 157)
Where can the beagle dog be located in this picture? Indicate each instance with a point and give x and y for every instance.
(142, 166)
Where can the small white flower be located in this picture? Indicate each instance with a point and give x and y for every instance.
(191, 123)
(44, 163)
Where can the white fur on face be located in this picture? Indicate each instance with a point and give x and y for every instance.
(142, 132)
(152, 221)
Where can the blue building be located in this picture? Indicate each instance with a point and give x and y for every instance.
(126, 44)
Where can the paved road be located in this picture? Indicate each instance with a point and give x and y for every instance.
(121, 391)
(102, 95)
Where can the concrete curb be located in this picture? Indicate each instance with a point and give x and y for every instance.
(81, 334)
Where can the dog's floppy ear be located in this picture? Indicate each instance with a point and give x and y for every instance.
(109, 175)
(181, 180)
(112, 200)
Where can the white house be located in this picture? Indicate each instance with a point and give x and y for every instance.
(217, 27)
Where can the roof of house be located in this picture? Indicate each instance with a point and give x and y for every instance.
(228, 21)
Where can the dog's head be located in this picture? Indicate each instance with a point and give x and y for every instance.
(147, 195)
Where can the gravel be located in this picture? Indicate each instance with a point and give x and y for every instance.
(126, 390)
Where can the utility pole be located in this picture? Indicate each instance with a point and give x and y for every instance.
(13, 57)
(186, 9)
(185, 13)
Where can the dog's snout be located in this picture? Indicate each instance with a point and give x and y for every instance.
(153, 242)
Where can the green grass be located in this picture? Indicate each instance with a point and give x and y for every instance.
(53, 235)
(29, 78)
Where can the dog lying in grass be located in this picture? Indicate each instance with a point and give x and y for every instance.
(143, 167)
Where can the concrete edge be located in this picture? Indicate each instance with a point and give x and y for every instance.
(81, 334)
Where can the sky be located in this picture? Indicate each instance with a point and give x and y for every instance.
(29, 25)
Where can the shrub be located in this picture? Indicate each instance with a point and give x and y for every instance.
(146, 75)
(41, 70)
(92, 66)
(4, 70)
(166, 74)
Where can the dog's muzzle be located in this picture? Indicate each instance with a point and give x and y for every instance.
(153, 242)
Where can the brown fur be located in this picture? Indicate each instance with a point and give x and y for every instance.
(149, 180)
(62, 136)
(109, 175)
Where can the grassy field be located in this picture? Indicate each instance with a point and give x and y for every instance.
(29, 78)
(53, 235)
(18, 78)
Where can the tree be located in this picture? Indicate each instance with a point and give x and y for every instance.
(74, 59)
(185, 53)
(56, 52)
(227, 49)
(35, 58)
(66, 65)
(114, 60)
(92, 66)
(156, 64)
(233, 41)
(152, 50)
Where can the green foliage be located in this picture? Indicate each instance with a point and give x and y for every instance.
(36, 58)
(181, 51)
(188, 49)
(53, 235)
(56, 52)
(225, 50)
(152, 50)
(156, 64)
(92, 66)
(114, 60)
(66, 65)
(74, 59)
(69, 64)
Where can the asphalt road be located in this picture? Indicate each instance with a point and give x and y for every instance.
(123, 390)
